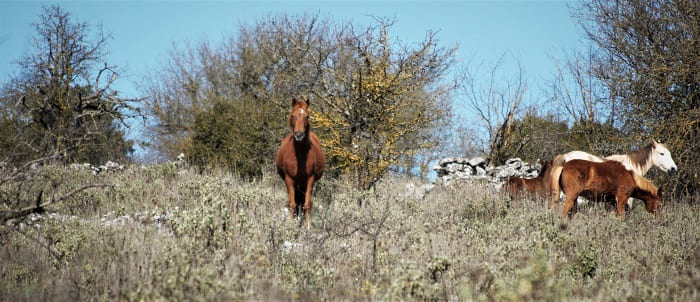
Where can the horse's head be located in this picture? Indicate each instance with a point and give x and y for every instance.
(654, 204)
(299, 119)
(661, 158)
(546, 165)
(545, 169)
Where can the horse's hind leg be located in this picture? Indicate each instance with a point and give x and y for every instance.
(568, 204)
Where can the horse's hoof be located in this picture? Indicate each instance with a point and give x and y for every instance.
(563, 225)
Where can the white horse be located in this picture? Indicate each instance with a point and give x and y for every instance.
(639, 161)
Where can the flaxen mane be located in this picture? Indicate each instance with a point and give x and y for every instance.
(645, 184)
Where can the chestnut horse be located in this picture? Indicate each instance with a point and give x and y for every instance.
(608, 180)
(300, 161)
(538, 186)
(639, 161)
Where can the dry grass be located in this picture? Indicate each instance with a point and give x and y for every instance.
(211, 236)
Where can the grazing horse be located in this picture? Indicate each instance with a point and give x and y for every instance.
(605, 181)
(538, 186)
(639, 161)
(300, 161)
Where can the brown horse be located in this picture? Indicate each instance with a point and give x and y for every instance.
(606, 181)
(640, 161)
(300, 161)
(536, 187)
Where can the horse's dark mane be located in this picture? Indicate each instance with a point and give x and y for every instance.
(641, 157)
(546, 166)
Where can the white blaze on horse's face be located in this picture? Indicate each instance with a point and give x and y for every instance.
(662, 158)
(300, 122)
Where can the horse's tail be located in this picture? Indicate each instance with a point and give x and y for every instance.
(555, 183)
(555, 173)
(558, 160)
(558, 172)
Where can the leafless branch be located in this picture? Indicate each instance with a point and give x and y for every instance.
(40, 207)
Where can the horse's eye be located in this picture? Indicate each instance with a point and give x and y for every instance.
(662, 154)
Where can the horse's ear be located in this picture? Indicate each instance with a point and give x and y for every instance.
(308, 102)
(660, 191)
(654, 142)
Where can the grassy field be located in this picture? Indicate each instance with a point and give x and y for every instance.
(171, 234)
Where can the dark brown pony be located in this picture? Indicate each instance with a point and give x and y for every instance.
(300, 161)
(535, 187)
(606, 181)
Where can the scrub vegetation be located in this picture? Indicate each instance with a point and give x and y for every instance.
(168, 233)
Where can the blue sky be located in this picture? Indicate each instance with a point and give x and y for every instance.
(143, 31)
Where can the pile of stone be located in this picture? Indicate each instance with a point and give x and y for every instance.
(108, 166)
(456, 168)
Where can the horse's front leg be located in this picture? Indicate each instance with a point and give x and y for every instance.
(289, 182)
(307, 201)
(621, 199)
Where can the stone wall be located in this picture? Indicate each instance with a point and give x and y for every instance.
(456, 168)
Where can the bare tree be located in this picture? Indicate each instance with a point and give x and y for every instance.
(495, 102)
(586, 104)
(62, 101)
(575, 89)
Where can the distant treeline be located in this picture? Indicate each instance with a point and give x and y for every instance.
(379, 104)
